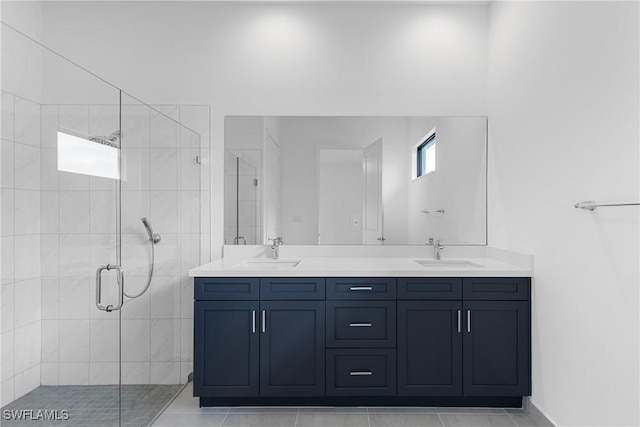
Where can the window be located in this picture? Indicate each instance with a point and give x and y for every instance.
(426, 155)
(79, 155)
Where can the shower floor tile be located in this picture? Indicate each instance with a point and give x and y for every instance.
(93, 405)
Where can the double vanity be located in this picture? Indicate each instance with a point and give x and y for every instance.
(364, 331)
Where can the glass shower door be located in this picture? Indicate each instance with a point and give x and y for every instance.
(160, 235)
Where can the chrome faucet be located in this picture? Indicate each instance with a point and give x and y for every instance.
(276, 242)
(437, 247)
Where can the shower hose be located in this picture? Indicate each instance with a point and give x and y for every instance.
(153, 255)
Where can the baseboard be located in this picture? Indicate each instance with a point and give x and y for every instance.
(452, 401)
(536, 414)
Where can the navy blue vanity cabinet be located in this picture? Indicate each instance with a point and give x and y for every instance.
(430, 336)
(361, 336)
(248, 344)
(292, 348)
(497, 336)
(226, 348)
(464, 337)
(417, 341)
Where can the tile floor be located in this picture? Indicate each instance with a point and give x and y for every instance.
(184, 412)
(94, 405)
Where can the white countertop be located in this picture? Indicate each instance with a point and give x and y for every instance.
(359, 267)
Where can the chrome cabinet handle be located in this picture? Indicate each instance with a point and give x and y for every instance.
(253, 315)
(120, 279)
(459, 322)
(264, 321)
(360, 373)
(361, 288)
(468, 321)
(360, 325)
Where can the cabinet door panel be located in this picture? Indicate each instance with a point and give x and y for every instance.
(496, 348)
(292, 348)
(429, 348)
(226, 348)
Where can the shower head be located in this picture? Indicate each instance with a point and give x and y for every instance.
(110, 141)
(154, 238)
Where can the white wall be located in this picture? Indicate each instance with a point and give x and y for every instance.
(319, 59)
(563, 123)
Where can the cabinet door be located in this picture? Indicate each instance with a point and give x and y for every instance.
(226, 350)
(292, 348)
(429, 348)
(496, 348)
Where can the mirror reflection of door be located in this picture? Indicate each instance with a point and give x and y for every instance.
(373, 228)
(340, 196)
(350, 195)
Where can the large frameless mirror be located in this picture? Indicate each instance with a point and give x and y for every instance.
(355, 180)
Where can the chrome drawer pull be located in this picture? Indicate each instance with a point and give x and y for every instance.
(361, 288)
(360, 373)
(360, 325)
(459, 321)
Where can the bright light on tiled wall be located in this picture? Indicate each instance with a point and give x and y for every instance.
(59, 227)
(21, 278)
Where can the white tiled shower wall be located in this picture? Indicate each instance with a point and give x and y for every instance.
(21, 278)
(64, 339)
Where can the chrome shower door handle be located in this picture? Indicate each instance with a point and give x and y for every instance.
(120, 279)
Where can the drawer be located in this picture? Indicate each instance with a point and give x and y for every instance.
(361, 324)
(361, 372)
(361, 288)
(226, 288)
(496, 288)
(292, 288)
(430, 288)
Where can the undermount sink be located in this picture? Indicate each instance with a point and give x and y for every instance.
(268, 264)
(447, 263)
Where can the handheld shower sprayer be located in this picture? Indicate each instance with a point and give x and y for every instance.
(154, 238)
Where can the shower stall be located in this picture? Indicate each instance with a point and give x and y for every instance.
(243, 197)
(104, 209)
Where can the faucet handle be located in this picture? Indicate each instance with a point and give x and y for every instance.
(275, 240)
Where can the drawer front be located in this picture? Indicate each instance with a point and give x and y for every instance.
(361, 372)
(226, 288)
(361, 323)
(290, 288)
(496, 288)
(361, 288)
(430, 288)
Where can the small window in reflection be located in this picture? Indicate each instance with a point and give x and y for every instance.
(82, 156)
(426, 155)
